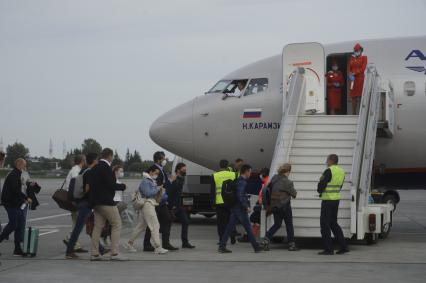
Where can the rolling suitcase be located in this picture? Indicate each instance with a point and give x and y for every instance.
(30, 239)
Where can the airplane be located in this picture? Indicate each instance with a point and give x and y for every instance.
(210, 127)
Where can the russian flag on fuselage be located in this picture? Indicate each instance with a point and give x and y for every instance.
(252, 113)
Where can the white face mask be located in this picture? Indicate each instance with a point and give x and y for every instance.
(120, 174)
(154, 177)
(357, 53)
(335, 68)
(164, 163)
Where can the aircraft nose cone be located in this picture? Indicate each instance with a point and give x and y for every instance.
(173, 130)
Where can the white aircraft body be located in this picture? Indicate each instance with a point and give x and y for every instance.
(209, 128)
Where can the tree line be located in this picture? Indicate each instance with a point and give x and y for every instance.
(132, 161)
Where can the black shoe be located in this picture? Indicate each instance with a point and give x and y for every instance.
(81, 251)
(243, 239)
(292, 247)
(18, 252)
(258, 250)
(170, 247)
(187, 246)
(224, 250)
(326, 253)
(233, 241)
(148, 249)
(342, 251)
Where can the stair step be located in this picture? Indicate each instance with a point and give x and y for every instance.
(316, 168)
(312, 185)
(324, 143)
(313, 195)
(295, 204)
(316, 160)
(311, 232)
(325, 128)
(314, 213)
(323, 152)
(328, 135)
(328, 119)
(315, 222)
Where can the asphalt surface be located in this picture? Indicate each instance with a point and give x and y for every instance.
(399, 258)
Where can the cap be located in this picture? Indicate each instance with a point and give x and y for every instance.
(357, 47)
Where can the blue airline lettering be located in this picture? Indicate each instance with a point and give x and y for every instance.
(416, 54)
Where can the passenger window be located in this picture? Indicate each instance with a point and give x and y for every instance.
(409, 88)
(256, 86)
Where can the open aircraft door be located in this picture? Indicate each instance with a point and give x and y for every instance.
(311, 57)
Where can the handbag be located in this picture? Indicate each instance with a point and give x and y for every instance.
(138, 201)
(60, 196)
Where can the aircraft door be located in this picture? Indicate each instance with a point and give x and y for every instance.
(311, 57)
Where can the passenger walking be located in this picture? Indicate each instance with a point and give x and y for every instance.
(82, 204)
(175, 203)
(281, 191)
(329, 187)
(239, 212)
(222, 212)
(149, 191)
(79, 164)
(163, 213)
(102, 191)
(15, 202)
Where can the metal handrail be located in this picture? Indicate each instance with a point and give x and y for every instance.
(291, 111)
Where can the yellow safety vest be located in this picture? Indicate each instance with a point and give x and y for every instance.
(332, 191)
(220, 177)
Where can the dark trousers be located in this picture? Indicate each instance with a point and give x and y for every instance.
(16, 225)
(238, 214)
(184, 221)
(83, 214)
(165, 219)
(222, 217)
(280, 214)
(328, 221)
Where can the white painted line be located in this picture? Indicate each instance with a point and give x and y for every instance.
(48, 217)
(50, 232)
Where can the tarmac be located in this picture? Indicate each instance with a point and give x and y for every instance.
(399, 258)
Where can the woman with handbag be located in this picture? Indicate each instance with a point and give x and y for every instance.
(281, 191)
(146, 199)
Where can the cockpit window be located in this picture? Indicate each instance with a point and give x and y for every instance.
(220, 86)
(256, 86)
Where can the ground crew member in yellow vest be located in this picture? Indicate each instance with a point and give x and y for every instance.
(329, 187)
(222, 212)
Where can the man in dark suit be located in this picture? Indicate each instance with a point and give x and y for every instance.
(163, 213)
(102, 190)
(14, 201)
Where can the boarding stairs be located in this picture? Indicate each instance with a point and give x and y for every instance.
(306, 139)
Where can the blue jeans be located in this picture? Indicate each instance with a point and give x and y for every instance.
(286, 214)
(83, 213)
(238, 214)
(16, 224)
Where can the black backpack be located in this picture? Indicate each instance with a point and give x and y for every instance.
(229, 193)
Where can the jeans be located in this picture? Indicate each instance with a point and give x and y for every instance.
(286, 214)
(83, 213)
(238, 214)
(16, 224)
(328, 221)
(184, 221)
(165, 220)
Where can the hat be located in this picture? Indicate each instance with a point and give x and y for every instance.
(358, 47)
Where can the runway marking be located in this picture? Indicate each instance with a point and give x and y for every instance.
(49, 232)
(48, 217)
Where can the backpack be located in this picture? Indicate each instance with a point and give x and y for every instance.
(229, 193)
(76, 189)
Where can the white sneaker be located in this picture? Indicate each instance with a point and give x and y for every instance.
(160, 251)
(119, 257)
(130, 248)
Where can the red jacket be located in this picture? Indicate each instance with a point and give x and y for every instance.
(357, 65)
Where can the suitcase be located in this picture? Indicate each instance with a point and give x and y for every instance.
(30, 239)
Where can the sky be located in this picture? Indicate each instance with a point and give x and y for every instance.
(105, 69)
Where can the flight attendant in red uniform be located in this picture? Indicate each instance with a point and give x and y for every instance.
(357, 66)
(334, 89)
